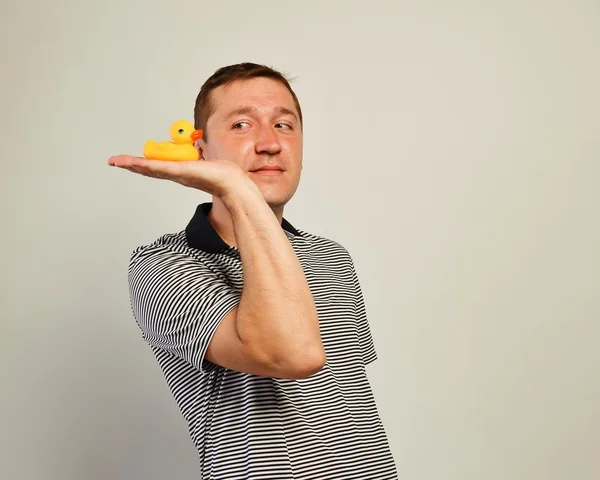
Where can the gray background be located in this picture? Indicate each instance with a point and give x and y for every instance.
(452, 147)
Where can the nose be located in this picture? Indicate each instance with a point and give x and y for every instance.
(267, 141)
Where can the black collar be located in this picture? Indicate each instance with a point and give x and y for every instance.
(201, 234)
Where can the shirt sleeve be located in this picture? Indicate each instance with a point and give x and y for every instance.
(178, 302)
(365, 338)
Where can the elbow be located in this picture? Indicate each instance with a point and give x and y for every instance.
(300, 367)
(293, 367)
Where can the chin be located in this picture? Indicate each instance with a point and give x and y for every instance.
(276, 196)
(275, 200)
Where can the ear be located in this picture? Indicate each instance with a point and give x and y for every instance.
(199, 144)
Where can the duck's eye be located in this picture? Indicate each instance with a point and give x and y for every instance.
(180, 131)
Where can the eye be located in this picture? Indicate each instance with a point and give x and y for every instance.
(180, 131)
(236, 126)
(283, 125)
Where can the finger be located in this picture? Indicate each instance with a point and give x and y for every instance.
(174, 171)
(160, 169)
(121, 160)
(150, 173)
(155, 168)
(139, 165)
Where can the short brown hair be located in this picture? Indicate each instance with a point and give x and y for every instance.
(223, 76)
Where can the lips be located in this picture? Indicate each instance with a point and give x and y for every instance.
(269, 168)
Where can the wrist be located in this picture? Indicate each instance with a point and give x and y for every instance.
(242, 192)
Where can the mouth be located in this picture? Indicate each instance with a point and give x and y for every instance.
(268, 170)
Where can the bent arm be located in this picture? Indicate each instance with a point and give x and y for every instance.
(275, 329)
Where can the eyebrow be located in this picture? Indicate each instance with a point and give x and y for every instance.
(243, 110)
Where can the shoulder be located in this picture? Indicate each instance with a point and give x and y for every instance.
(328, 248)
(167, 245)
(165, 256)
(169, 269)
(319, 241)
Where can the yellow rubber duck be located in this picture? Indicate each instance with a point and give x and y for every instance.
(181, 149)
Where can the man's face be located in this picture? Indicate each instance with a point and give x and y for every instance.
(255, 124)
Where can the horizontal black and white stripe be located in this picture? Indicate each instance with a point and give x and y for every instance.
(244, 426)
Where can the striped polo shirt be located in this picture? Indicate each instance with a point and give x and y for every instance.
(244, 426)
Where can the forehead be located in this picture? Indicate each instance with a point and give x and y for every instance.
(260, 93)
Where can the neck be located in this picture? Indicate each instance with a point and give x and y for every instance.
(220, 219)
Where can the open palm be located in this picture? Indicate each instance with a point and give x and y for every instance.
(216, 177)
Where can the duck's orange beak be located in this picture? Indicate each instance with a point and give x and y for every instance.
(196, 135)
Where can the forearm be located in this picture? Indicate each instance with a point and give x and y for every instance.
(277, 318)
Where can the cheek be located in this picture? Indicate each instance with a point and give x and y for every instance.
(294, 143)
(294, 150)
(238, 143)
(241, 144)
(229, 148)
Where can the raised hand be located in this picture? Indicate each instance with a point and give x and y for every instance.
(216, 177)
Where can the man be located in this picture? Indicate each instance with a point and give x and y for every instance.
(260, 328)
